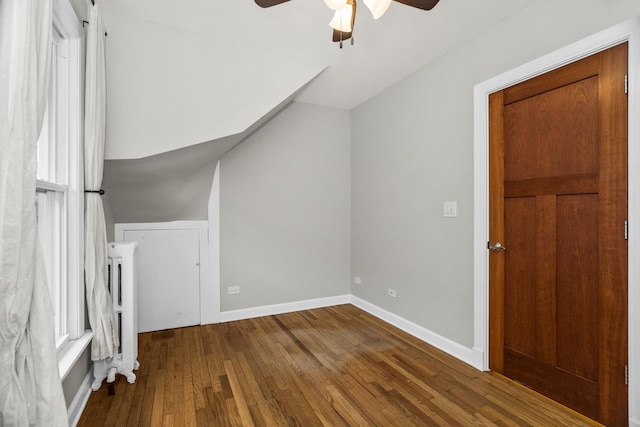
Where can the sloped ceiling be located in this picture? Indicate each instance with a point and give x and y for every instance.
(188, 80)
(170, 186)
(184, 72)
(165, 187)
(385, 50)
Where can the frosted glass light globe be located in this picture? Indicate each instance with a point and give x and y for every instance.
(342, 19)
(335, 4)
(377, 7)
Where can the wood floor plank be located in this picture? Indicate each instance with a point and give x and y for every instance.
(117, 406)
(159, 399)
(334, 366)
(127, 392)
(238, 396)
(147, 406)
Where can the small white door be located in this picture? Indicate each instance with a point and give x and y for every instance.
(168, 278)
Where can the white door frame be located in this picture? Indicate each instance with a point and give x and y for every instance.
(214, 248)
(628, 31)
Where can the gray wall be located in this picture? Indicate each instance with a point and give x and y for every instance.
(412, 149)
(170, 186)
(285, 210)
(78, 373)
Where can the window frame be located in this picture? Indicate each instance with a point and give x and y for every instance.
(67, 183)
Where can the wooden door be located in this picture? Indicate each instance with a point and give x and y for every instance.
(558, 204)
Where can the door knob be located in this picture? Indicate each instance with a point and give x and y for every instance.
(497, 247)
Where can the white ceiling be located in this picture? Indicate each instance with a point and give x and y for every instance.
(385, 51)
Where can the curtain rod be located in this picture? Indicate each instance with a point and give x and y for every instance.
(87, 22)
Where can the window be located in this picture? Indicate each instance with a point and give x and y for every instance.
(60, 189)
(53, 187)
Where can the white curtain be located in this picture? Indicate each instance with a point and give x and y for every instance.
(30, 387)
(99, 304)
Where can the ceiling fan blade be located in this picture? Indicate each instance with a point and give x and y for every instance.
(269, 3)
(420, 4)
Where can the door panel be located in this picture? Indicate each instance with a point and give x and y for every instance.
(573, 391)
(168, 278)
(558, 202)
(520, 227)
(566, 145)
(577, 285)
(546, 265)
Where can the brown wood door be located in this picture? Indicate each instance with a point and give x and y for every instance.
(558, 204)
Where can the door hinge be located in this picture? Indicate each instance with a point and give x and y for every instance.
(626, 374)
(626, 230)
(626, 84)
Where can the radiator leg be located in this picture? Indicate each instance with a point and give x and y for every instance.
(111, 376)
(131, 377)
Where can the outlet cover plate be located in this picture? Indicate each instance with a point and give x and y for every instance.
(450, 209)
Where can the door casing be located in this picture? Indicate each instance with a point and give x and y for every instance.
(628, 31)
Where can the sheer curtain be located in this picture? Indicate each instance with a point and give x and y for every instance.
(30, 387)
(99, 303)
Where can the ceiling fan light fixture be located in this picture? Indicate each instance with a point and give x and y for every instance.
(342, 19)
(335, 4)
(377, 7)
(345, 13)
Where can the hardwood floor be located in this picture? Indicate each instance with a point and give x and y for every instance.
(336, 366)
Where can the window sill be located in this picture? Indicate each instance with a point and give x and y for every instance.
(71, 351)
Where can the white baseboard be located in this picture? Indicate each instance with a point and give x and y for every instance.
(478, 358)
(269, 310)
(634, 423)
(438, 341)
(80, 400)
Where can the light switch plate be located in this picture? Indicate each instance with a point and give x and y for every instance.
(450, 209)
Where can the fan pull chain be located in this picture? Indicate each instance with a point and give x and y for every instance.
(352, 40)
(341, 27)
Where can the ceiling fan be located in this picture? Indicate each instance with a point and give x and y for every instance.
(344, 17)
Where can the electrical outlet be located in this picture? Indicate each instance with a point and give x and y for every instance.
(391, 292)
(450, 209)
(357, 280)
(233, 290)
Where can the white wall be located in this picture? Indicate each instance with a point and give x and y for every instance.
(285, 210)
(412, 149)
(170, 88)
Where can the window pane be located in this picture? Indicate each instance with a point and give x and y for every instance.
(47, 148)
(43, 149)
(52, 232)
